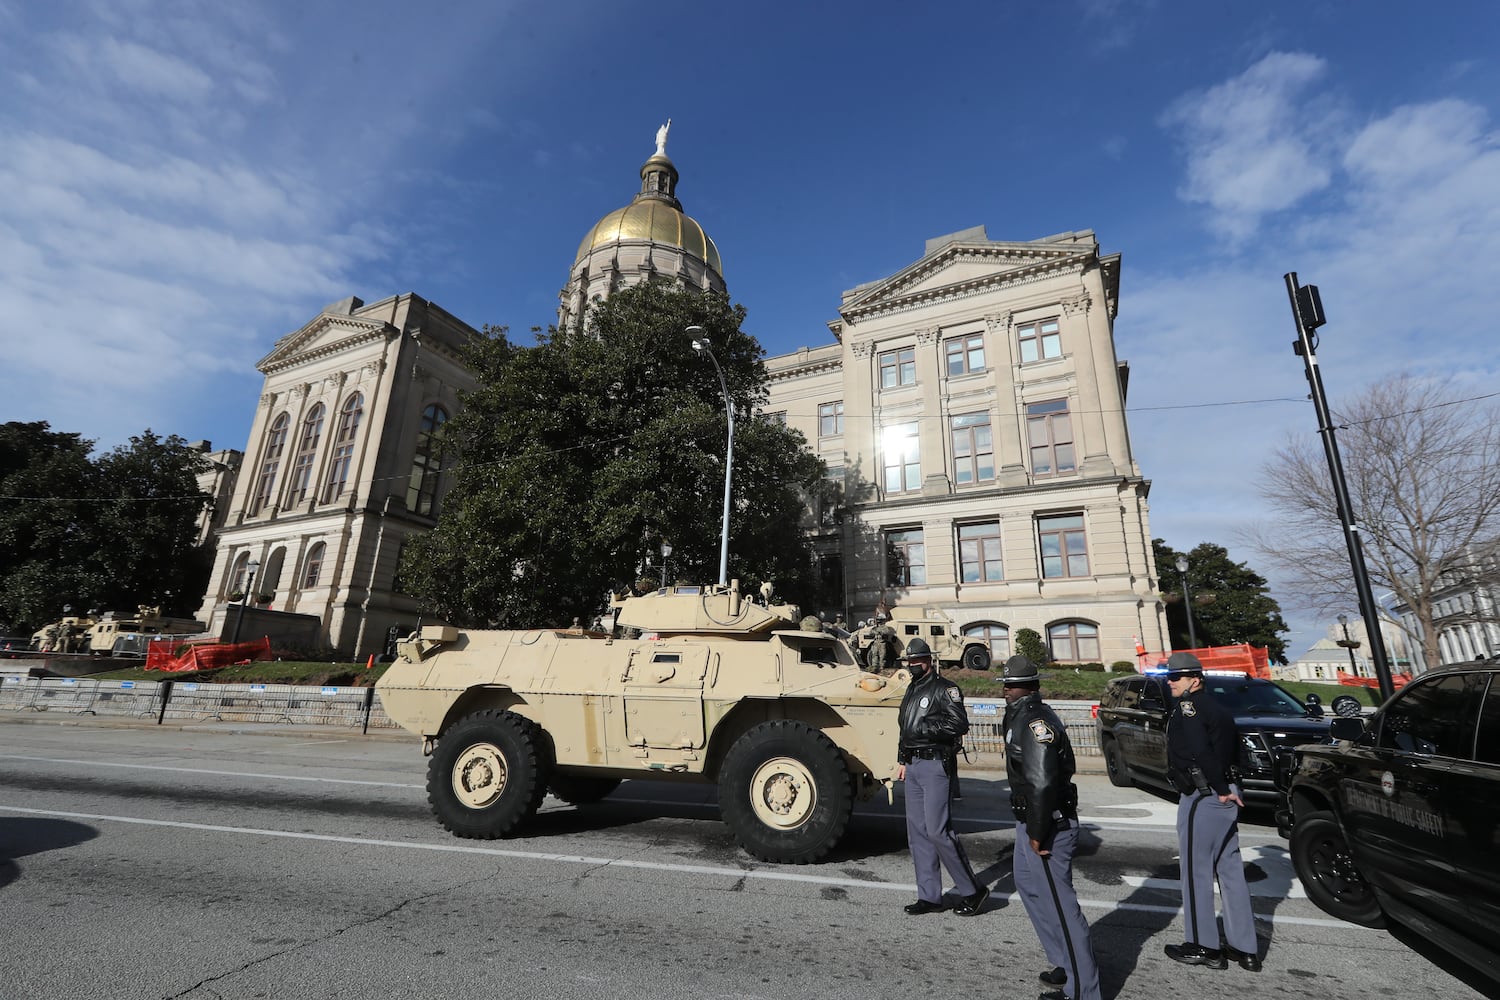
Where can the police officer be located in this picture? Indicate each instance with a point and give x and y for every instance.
(1039, 766)
(933, 722)
(1202, 745)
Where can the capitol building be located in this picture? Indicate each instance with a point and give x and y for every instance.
(970, 409)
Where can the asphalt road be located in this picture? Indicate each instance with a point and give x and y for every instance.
(219, 863)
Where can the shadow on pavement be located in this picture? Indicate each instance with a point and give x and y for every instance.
(25, 835)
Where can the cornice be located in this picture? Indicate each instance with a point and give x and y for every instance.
(806, 370)
(1013, 278)
(288, 355)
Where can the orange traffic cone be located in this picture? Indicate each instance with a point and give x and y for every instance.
(371, 662)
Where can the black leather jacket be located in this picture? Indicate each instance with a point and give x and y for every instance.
(1039, 766)
(932, 716)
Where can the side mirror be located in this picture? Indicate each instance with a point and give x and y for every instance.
(1346, 729)
(1314, 706)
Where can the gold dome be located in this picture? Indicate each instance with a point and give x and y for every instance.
(657, 221)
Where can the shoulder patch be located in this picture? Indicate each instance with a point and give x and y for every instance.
(955, 694)
(1041, 732)
(1189, 709)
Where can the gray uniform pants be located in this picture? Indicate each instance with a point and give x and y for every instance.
(930, 835)
(1045, 886)
(1208, 845)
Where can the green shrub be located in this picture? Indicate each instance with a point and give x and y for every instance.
(1122, 667)
(1093, 668)
(1030, 645)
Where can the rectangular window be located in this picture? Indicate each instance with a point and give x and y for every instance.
(906, 558)
(900, 461)
(965, 355)
(973, 449)
(1039, 341)
(1049, 434)
(979, 553)
(1065, 551)
(830, 418)
(777, 417)
(898, 368)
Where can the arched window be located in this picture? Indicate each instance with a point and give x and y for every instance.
(427, 464)
(1074, 642)
(307, 452)
(239, 578)
(313, 567)
(343, 447)
(265, 485)
(995, 635)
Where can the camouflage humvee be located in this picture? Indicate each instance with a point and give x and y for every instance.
(689, 683)
(882, 642)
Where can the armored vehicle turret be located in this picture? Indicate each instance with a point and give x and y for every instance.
(686, 683)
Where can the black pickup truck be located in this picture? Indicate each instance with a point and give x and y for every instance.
(1400, 818)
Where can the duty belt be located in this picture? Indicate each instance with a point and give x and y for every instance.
(932, 753)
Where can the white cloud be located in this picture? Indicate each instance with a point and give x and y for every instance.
(1250, 142)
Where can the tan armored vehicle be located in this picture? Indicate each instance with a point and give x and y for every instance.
(881, 642)
(689, 683)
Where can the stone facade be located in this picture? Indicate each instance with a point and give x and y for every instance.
(972, 416)
(342, 465)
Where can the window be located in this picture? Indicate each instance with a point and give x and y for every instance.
(830, 418)
(1074, 642)
(996, 635)
(1487, 745)
(900, 461)
(314, 565)
(427, 464)
(898, 368)
(275, 445)
(1039, 340)
(1436, 718)
(965, 355)
(240, 578)
(1049, 432)
(307, 451)
(979, 553)
(973, 449)
(777, 417)
(343, 447)
(906, 558)
(1065, 549)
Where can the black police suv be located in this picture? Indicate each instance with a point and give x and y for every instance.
(1132, 729)
(1400, 818)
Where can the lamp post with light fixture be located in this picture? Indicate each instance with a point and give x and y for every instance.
(701, 344)
(1187, 603)
(251, 568)
(1350, 644)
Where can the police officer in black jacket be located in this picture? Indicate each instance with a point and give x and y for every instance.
(1202, 746)
(1039, 765)
(933, 723)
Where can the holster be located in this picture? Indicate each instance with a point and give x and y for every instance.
(1018, 806)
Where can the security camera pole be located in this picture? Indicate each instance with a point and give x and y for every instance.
(1307, 310)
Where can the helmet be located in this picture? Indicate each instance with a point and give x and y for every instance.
(918, 647)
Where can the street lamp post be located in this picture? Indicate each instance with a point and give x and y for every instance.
(1350, 644)
(666, 564)
(1187, 601)
(702, 344)
(250, 570)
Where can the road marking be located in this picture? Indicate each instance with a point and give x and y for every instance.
(1261, 889)
(199, 770)
(315, 743)
(578, 859)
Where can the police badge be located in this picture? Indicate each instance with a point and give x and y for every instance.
(1189, 709)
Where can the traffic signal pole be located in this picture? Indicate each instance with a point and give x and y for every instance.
(1307, 311)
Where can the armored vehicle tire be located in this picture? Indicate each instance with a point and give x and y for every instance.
(1322, 861)
(1115, 766)
(487, 775)
(976, 658)
(785, 792)
(580, 790)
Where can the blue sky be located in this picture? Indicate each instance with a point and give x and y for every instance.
(188, 181)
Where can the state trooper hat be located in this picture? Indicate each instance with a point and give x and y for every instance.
(1183, 664)
(918, 647)
(1020, 670)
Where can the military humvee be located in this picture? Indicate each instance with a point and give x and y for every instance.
(688, 683)
(910, 621)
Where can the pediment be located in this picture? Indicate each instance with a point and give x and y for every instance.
(960, 269)
(325, 336)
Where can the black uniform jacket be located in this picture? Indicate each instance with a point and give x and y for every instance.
(1039, 765)
(932, 716)
(1201, 733)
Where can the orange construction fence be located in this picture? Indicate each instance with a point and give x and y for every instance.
(1398, 681)
(1253, 660)
(176, 657)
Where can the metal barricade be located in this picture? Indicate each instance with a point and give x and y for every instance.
(987, 735)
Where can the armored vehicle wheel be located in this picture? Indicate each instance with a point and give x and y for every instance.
(1115, 766)
(486, 775)
(976, 657)
(1323, 863)
(580, 790)
(785, 792)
